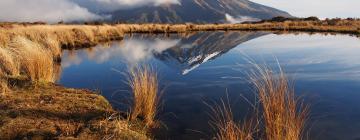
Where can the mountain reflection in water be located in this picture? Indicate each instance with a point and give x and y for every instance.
(184, 53)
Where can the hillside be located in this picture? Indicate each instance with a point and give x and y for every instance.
(197, 11)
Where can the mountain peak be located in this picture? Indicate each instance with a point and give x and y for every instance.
(197, 11)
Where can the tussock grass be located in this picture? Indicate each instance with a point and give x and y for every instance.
(284, 115)
(145, 91)
(3, 84)
(280, 115)
(85, 35)
(226, 128)
(8, 64)
(36, 62)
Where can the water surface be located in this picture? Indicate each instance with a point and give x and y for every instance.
(203, 67)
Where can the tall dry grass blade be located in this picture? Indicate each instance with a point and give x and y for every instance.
(226, 128)
(145, 91)
(3, 83)
(36, 62)
(8, 64)
(283, 113)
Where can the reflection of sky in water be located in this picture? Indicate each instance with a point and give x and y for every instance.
(309, 57)
(131, 51)
(325, 68)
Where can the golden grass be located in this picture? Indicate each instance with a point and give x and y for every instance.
(3, 85)
(55, 112)
(284, 114)
(281, 114)
(222, 121)
(36, 62)
(145, 91)
(85, 35)
(8, 64)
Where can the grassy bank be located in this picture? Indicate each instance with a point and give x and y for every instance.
(47, 111)
(80, 35)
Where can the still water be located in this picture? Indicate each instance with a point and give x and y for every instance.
(197, 68)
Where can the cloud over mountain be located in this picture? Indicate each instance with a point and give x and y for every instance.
(67, 10)
(44, 10)
(112, 5)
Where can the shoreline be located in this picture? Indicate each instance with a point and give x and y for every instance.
(49, 111)
(73, 36)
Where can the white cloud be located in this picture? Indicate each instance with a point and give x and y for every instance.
(67, 10)
(240, 19)
(111, 5)
(43, 10)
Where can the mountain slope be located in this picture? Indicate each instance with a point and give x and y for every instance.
(198, 11)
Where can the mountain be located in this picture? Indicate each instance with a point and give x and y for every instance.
(197, 11)
(201, 47)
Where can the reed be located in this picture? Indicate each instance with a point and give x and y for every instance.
(226, 128)
(3, 83)
(86, 35)
(145, 91)
(8, 65)
(284, 115)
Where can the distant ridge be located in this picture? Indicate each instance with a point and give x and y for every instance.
(197, 11)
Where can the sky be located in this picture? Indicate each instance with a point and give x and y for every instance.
(319, 8)
(67, 10)
(86, 10)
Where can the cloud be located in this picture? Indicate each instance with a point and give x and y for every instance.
(112, 5)
(67, 10)
(44, 10)
(240, 19)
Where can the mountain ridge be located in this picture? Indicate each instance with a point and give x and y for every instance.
(197, 11)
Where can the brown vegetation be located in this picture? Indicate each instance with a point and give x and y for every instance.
(53, 112)
(83, 35)
(226, 128)
(282, 114)
(145, 92)
(35, 61)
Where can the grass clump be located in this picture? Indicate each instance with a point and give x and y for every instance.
(226, 128)
(284, 115)
(145, 92)
(36, 62)
(8, 64)
(280, 115)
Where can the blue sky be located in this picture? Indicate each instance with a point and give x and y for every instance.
(320, 8)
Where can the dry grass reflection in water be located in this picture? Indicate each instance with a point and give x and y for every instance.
(280, 115)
